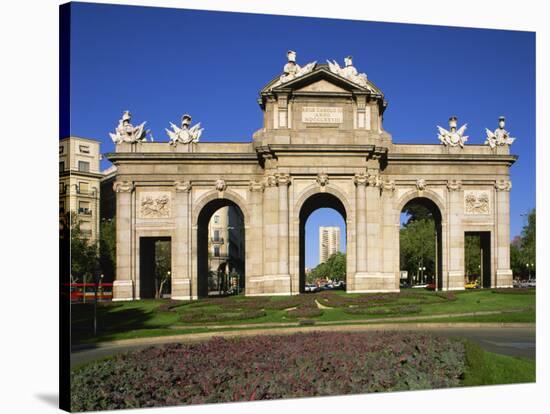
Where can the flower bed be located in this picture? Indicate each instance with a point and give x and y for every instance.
(268, 367)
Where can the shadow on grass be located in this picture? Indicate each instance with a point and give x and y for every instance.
(112, 319)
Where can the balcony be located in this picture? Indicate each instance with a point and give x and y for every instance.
(85, 211)
(216, 240)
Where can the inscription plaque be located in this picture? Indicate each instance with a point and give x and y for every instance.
(322, 115)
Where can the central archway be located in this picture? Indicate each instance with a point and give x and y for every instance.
(311, 204)
(424, 266)
(220, 253)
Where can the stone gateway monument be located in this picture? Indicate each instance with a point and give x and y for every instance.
(322, 144)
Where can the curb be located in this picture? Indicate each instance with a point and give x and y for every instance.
(197, 337)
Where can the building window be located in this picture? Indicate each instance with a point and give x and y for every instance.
(216, 251)
(216, 235)
(61, 166)
(83, 166)
(61, 149)
(61, 188)
(216, 219)
(83, 187)
(84, 149)
(62, 206)
(84, 207)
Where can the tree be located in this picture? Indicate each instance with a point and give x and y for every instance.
(528, 239)
(334, 268)
(417, 246)
(162, 266)
(84, 253)
(472, 254)
(107, 249)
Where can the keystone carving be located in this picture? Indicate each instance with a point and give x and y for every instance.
(220, 184)
(322, 179)
(421, 184)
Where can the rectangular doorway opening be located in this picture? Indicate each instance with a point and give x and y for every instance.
(477, 259)
(155, 267)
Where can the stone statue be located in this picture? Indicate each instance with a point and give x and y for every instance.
(292, 70)
(453, 137)
(349, 72)
(500, 136)
(126, 132)
(185, 135)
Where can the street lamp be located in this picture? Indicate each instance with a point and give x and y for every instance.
(529, 267)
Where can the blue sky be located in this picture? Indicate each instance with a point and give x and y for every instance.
(160, 63)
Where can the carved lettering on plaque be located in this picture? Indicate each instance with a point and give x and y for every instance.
(154, 205)
(322, 115)
(476, 202)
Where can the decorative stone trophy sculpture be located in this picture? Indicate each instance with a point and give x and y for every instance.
(500, 136)
(454, 137)
(348, 71)
(126, 132)
(185, 135)
(292, 70)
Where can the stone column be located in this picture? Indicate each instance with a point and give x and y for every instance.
(454, 252)
(181, 245)
(360, 181)
(124, 285)
(254, 249)
(504, 276)
(390, 235)
(283, 181)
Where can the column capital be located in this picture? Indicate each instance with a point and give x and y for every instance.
(182, 186)
(123, 186)
(454, 185)
(256, 186)
(360, 179)
(388, 186)
(374, 180)
(503, 185)
(282, 179)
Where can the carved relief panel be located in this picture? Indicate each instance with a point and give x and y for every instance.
(154, 204)
(477, 202)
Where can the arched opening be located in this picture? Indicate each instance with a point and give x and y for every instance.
(420, 245)
(220, 249)
(331, 241)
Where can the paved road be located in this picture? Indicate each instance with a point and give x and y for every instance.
(516, 341)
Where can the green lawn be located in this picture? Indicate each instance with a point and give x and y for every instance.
(146, 318)
(486, 368)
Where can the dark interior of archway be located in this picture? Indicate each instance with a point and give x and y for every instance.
(202, 244)
(422, 208)
(154, 262)
(316, 201)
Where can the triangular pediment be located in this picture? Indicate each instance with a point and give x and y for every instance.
(322, 85)
(320, 79)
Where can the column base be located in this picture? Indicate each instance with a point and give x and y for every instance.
(454, 280)
(505, 278)
(370, 282)
(268, 285)
(181, 289)
(123, 290)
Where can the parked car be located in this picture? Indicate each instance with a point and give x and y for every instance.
(431, 286)
(472, 285)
